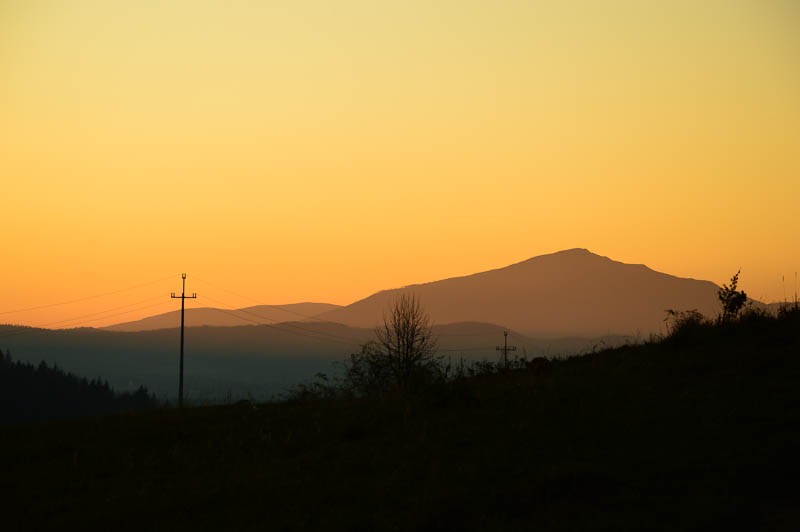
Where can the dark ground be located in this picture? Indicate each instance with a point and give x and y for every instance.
(698, 432)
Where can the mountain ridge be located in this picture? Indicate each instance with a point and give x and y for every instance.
(216, 317)
(549, 295)
(572, 292)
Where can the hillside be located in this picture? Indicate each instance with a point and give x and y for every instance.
(699, 432)
(569, 293)
(214, 317)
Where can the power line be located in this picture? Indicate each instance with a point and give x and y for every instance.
(260, 320)
(84, 298)
(453, 335)
(275, 325)
(459, 349)
(79, 318)
(26, 329)
(277, 328)
(330, 335)
(348, 340)
(311, 333)
(279, 307)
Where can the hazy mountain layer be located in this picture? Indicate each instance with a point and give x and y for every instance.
(247, 361)
(198, 317)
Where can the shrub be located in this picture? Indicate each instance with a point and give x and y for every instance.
(732, 300)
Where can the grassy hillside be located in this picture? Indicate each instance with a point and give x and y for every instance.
(697, 432)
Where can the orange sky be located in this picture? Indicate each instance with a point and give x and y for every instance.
(315, 150)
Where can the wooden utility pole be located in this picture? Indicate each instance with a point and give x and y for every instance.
(506, 348)
(183, 297)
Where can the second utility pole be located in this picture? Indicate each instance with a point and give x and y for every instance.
(506, 348)
(183, 297)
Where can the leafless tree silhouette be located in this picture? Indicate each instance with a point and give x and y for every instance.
(406, 339)
(402, 355)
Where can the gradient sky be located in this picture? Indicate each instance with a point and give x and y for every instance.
(317, 150)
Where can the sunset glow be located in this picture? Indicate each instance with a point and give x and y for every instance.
(281, 152)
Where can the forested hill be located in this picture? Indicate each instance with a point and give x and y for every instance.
(35, 393)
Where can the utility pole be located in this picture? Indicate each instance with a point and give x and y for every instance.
(183, 297)
(506, 348)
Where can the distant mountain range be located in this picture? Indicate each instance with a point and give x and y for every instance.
(556, 304)
(214, 317)
(247, 361)
(569, 293)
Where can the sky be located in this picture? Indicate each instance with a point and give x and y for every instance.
(311, 150)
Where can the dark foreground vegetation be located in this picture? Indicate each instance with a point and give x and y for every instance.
(38, 393)
(699, 431)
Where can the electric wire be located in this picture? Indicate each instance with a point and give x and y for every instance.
(279, 307)
(80, 319)
(87, 297)
(459, 349)
(260, 320)
(272, 326)
(313, 334)
(276, 325)
(328, 321)
(350, 340)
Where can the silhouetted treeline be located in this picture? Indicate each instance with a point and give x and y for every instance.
(33, 393)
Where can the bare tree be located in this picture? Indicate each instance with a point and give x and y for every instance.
(402, 355)
(406, 339)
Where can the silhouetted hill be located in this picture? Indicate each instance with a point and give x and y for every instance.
(214, 317)
(569, 293)
(699, 432)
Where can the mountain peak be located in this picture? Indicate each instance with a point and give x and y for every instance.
(574, 251)
(569, 292)
(573, 254)
(578, 253)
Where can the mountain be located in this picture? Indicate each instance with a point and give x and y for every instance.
(207, 316)
(569, 293)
